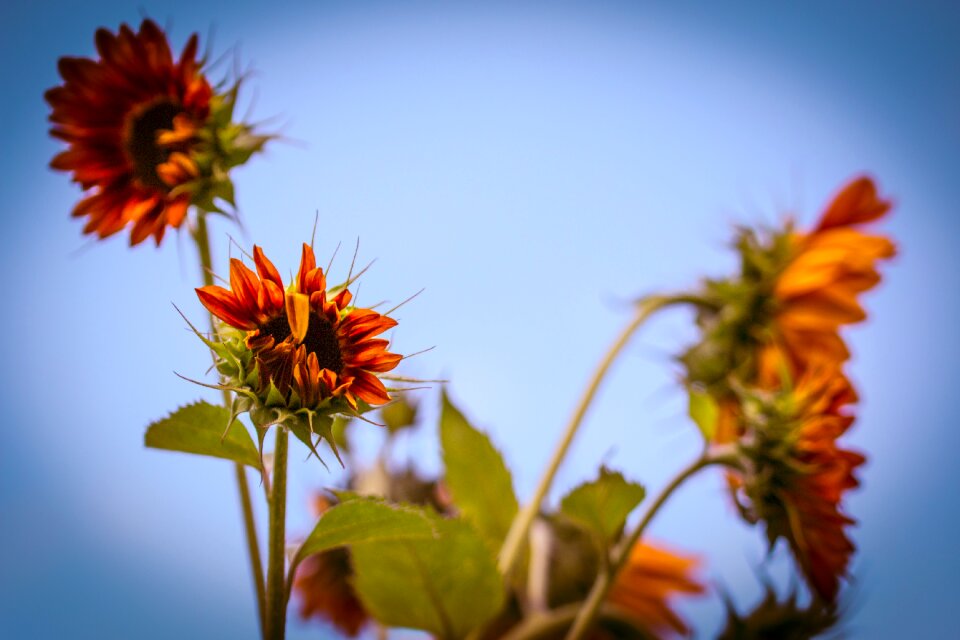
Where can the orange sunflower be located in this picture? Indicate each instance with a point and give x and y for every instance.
(147, 136)
(650, 578)
(816, 293)
(306, 339)
(796, 474)
(793, 294)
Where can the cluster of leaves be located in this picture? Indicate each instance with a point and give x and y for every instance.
(417, 568)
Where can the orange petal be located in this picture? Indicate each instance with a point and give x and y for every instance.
(855, 204)
(265, 268)
(224, 305)
(298, 314)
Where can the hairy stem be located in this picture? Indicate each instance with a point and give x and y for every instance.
(202, 239)
(276, 549)
(512, 547)
(601, 587)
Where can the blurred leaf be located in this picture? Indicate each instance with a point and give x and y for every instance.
(198, 428)
(704, 411)
(476, 475)
(365, 520)
(399, 414)
(602, 506)
(447, 586)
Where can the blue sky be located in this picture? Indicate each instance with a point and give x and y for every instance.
(533, 166)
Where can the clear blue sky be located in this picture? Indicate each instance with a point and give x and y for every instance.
(533, 165)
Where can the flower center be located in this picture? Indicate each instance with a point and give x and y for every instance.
(142, 141)
(321, 339)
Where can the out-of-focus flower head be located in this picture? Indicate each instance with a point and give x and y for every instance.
(297, 356)
(783, 619)
(643, 592)
(793, 474)
(147, 136)
(652, 577)
(793, 293)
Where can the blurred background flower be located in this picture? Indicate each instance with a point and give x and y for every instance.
(516, 159)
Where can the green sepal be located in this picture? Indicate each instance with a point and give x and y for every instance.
(704, 411)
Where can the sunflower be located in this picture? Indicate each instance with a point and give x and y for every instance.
(305, 340)
(795, 474)
(817, 291)
(644, 587)
(793, 294)
(147, 135)
(565, 561)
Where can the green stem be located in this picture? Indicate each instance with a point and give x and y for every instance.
(601, 587)
(202, 239)
(276, 549)
(512, 547)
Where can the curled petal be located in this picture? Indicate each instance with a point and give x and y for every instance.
(224, 305)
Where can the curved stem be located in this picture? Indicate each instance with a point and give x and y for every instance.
(202, 239)
(513, 543)
(598, 593)
(276, 545)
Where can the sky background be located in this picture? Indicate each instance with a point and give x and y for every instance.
(533, 166)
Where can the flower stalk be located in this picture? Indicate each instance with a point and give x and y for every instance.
(202, 239)
(601, 587)
(510, 552)
(276, 550)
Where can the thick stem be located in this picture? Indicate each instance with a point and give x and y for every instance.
(601, 587)
(510, 552)
(276, 546)
(202, 239)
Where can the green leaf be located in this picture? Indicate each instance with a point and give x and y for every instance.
(399, 414)
(704, 411)
(476, 475)
(366, 520)
(602, 506)
(447, 586)
(199, 428)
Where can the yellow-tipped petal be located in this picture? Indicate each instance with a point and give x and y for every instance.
(298, 314)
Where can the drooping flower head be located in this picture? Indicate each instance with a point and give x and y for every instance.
(783, 618)
(303, 348)
(793, 293)
(816, 293)
(147, 135)
(565, 561)
(794, 473)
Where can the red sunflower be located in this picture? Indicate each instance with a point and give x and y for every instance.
(305, 339)
(796, 474)
(140, 128)
(817, 292)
